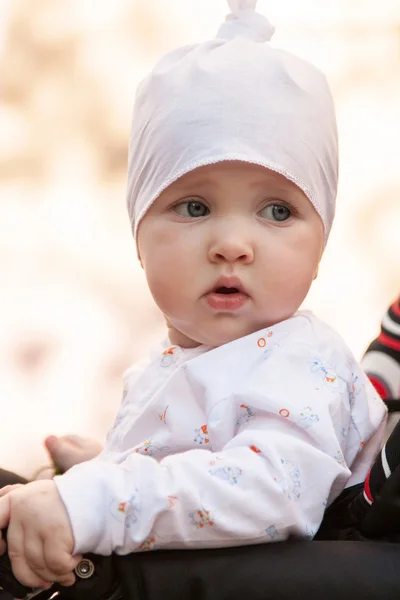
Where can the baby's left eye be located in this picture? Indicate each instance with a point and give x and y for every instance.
(276, 212)
(191, 208)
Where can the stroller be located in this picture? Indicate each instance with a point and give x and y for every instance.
(334, 564)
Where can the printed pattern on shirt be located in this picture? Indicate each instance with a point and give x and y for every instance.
(201, 518)
(127, 511)
(202, 431)
(266, 343)
(246, 413)
(168, 357)
(272, 532)
(308, 417)
(328, 376)
(229, 474)
(201, 435)
(147, 448)
(289, 482)
(148, 544)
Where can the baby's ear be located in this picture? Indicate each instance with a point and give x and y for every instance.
(316, 273)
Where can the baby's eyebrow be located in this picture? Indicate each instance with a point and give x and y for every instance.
(194, 183)
(270, 182)
(273, 180)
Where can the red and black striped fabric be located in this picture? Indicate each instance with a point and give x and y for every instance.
(385, 464)
(382, 358)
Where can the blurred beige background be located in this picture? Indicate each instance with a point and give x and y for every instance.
(74, 308)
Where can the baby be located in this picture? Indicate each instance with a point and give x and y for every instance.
(252, 416)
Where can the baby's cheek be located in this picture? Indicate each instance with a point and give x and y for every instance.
(164, 286)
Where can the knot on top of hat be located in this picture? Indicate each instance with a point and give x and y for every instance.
(244, 21)
(236, 5)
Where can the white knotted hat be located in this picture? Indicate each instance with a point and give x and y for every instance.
(234, 98)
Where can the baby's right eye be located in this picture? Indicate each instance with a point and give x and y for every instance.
(191, 208)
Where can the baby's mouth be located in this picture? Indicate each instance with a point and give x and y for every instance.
(227, 290)
(227, 295)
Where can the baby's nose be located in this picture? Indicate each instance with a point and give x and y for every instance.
(232, 247)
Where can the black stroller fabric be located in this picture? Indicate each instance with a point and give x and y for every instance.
(328, 570)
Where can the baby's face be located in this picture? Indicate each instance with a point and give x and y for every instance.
(229, 249)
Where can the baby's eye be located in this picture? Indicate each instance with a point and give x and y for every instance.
(192, 208)
(276, 212)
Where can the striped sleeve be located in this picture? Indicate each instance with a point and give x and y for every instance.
(382, 358)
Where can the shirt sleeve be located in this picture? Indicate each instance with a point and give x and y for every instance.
(287, 452)
(249, 493)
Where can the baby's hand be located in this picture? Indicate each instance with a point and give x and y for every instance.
(69, 450)
(39, 539)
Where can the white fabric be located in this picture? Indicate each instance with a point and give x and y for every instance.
(236, 5)
(234, 98)
(242, 20)
(240, 444)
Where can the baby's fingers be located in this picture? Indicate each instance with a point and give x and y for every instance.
(68, 580)
(59, 560)
(26, 563)
(4, 513)
(4, 519)
(9, 488)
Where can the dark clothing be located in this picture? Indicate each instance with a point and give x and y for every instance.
(8, 478)
(282, 571)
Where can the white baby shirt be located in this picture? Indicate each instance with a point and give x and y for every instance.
(241, 444)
